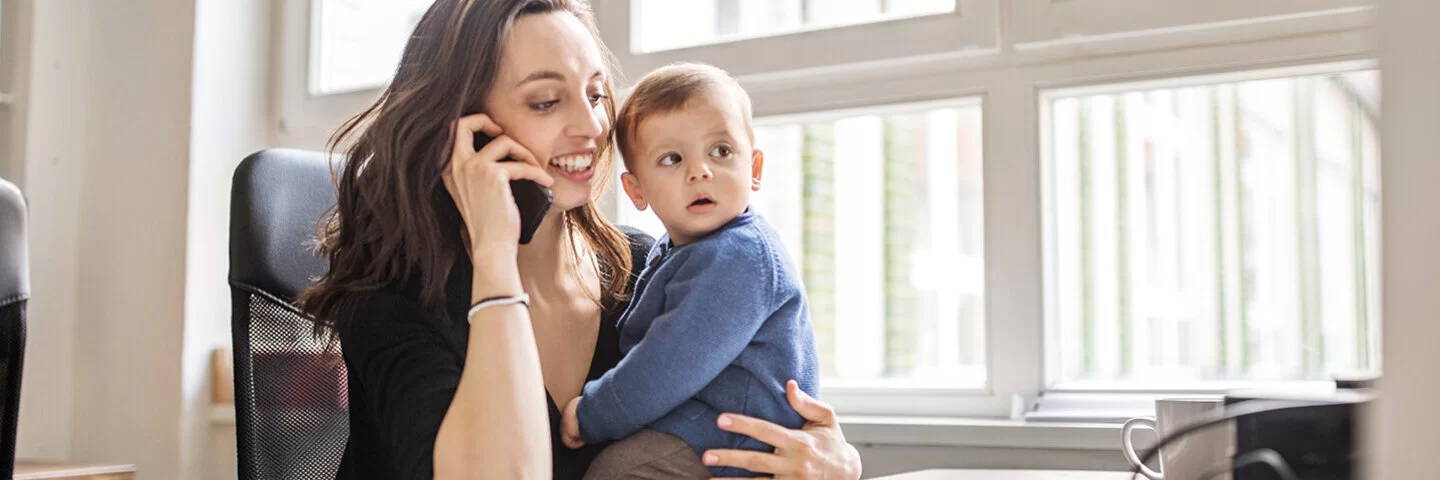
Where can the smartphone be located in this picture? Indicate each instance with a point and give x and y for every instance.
(532, 199)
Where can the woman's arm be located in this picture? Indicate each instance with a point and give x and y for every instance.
(817, 451)
(434, 415)
(497, 424)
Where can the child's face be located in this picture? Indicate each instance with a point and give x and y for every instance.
(695, 166)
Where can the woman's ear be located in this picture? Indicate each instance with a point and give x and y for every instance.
(757, 169)
(632, 190)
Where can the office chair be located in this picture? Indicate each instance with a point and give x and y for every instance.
(14, 292)
(291, 396)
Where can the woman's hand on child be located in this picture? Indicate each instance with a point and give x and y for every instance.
(816, 451)
(570, 425)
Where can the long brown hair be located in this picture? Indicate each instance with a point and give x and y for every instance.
(394, 223)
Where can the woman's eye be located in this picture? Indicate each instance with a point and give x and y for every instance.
(670, 159)
(546, 105)
(720, 151)
(597, 98)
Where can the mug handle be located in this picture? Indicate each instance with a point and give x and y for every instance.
(1129, 447)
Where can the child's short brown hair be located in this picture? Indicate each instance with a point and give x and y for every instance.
(668, 89)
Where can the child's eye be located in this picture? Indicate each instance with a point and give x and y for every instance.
(543, 106)
(670, 159)
(597, 98)
(720, 151)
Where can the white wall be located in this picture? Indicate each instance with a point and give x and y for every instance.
(138, 114)
(54, 126)
(1406, 418)
(131, 288)
(105, 162)
(230, 117)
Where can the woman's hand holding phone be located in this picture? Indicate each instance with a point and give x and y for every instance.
(480, 184)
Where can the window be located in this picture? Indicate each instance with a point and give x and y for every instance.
(1217, 232)
(1036, 66)
(881, 209)
(356, 44)
(767, 36)
(1239, 138)
(670, 24)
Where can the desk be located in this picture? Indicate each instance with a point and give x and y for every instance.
(966, 474)
(36, 470)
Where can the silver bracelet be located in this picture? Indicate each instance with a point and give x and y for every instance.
(523, 299)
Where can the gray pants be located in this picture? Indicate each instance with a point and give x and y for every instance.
(647, 455)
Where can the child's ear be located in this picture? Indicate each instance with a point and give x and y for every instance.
(757, 169)
(632, 190)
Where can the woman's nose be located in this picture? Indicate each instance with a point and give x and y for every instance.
(588, 122)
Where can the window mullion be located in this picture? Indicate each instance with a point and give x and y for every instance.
(1013, 239)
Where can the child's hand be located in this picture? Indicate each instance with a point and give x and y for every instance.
(570, 426)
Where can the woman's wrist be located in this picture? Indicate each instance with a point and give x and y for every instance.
(494, 276)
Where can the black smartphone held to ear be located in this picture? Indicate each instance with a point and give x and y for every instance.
(532, 199)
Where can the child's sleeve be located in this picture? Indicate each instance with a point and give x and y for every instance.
(715, 304)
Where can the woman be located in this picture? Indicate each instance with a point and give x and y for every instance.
(425, 229)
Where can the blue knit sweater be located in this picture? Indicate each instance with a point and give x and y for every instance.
(716, 326)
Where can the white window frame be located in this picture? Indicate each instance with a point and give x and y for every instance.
(1052, 381)
(969, 27)
(1013, 81)
(923, 401)
(303, 119)
(971, 54)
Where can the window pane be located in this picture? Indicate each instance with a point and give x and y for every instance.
(1223, 232)
(670, 24)
(356, 44)
(883, 216)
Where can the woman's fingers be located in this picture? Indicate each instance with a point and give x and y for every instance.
(813, 410)
(523, 171)
(526, 168)
(758, 462)
(503, 147)
(770, 433)
(464, 133)
(493, 156)
(798, 453)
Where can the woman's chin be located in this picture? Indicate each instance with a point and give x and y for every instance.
(567, 196)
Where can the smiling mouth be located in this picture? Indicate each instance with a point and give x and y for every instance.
(574, 162)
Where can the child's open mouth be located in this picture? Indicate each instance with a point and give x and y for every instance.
(701, 205)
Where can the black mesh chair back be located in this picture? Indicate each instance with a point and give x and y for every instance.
(14, 292)
(291, 395)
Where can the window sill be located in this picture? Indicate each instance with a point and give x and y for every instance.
(983, 433)
(930, 431)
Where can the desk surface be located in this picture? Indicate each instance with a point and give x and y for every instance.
(966, 474)
(37, 470)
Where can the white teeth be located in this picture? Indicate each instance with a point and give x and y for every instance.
(572, 163)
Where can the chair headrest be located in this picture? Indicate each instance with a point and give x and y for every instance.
(276, 202)
(14, 250)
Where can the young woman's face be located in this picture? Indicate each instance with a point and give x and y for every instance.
(547, 96)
